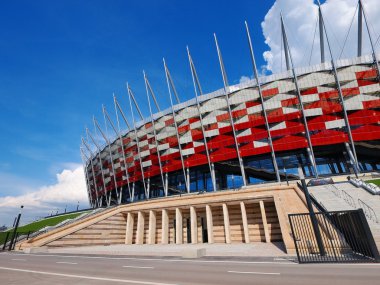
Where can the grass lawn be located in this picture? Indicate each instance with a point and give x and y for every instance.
(35, 226)
(374, 181)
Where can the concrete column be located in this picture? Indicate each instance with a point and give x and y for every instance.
(140, 228)
(226, 217)
(264, 219)
(210, 230)
(282, 215)
(165, 227)
(245, 222)
(194, 226)
(178, 226)
(129, 229)
(152, 227)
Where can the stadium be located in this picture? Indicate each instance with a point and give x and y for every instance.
(224, 167)
(243, 134)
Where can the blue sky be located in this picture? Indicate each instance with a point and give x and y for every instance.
(61, 60)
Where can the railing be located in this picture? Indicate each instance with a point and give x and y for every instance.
(7, 237)
(344, 237)
(368, 211)
(348, 198)
(335, 190)
(340, 193)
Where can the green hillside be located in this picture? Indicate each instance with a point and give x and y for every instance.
(37, 225)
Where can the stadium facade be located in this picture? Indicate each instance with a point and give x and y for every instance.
(324, 118)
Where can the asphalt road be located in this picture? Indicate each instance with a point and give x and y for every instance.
(69, 269)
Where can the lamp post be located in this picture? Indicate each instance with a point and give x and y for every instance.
(314, 221)
(13, 240)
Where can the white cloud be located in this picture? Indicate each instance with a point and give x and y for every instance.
(69, 190)
(244, 79)
(300, 19)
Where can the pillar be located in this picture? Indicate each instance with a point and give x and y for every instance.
(140, 228)
(129, 229)
(264, 219)
(210, 230)
(226, 223)
(194, 226)
(178, 226)
(152, 227)
(165, 227)
(245, 222)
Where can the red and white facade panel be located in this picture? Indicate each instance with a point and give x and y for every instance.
(360, 87)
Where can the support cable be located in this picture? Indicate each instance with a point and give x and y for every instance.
(348, 32)
(312, 45)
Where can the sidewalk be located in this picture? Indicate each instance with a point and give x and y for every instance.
(182, 250)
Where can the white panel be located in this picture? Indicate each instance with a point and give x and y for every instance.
(143, 143)
(285, 86)
(209, 120)
(246, 132)
(279, 126)
(212, 133)
(195, 125)
(188, 151)
(243, 119)
(186, 138)
(163, 146)
(335, 124)
(369, 88)
(259, 144)
(147, 163)
(287, 110)
(272, 105)
(313, 112)
(310, 98)
(223, 124)
(255, 109)
(350, 106)
(144, 153)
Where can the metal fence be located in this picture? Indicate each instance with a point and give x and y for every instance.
(8, 240)
(346, 237)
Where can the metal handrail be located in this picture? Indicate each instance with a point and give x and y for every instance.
(368, 211)
(348, 198)
(335, 190)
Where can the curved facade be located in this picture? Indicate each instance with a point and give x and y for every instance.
(167, 155)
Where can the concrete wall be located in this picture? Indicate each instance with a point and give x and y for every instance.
(249, 215)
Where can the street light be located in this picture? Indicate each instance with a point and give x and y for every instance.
(13, 240)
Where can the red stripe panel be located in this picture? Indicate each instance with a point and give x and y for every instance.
(270, 92)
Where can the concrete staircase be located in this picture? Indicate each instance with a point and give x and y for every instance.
(345, 196)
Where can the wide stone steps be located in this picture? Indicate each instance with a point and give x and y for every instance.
(334, 198)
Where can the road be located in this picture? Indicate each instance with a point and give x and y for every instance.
(33, 269)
